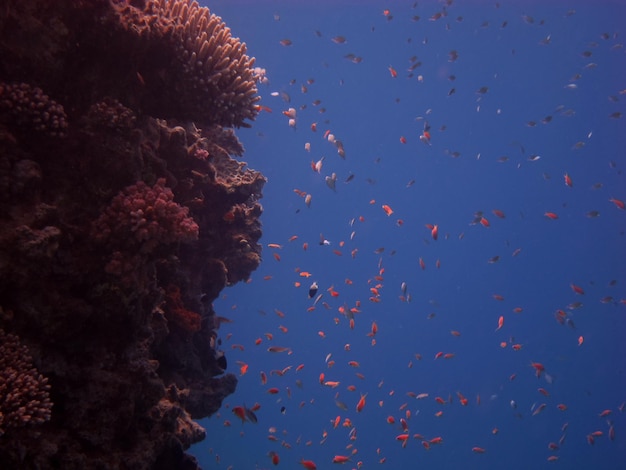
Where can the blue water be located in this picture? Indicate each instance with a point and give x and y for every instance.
(480, 158)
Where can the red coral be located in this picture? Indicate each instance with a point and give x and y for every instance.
(24, 397)
(145, 216)
(29, 108)
(176, 312)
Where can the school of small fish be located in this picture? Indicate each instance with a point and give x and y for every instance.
(348, 360)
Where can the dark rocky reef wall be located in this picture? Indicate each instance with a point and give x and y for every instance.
(123, 214)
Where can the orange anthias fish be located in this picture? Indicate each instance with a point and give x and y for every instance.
(568, 180)
(340, 459)
(361, 404)
(308, 464)
(434, 230)
(240, 412)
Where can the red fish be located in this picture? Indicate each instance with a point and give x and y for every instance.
(618, 203)
(240, 412)
(308, 464)
(341, 459)
(393, 72)
(388, 210)
(539, 368)
(577, 289)
(434, 230)
(568, 180)
(403, 438)
(361, 404)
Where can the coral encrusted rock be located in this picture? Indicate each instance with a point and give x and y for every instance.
(123, 214)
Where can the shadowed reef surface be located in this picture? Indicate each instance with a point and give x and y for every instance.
(123, 215)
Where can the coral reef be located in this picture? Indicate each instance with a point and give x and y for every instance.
(123, 215)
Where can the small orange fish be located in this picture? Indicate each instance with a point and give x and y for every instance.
(434, 230)
(577, 289)
(551, 215)
(393, 72)
(403, 438)
(500, 322)
(478, 450)
(618, 203)
(539, 368)
(240, 412)
(388, 210)
(361, 403)
(340, 459)
(308, 464)
(568, 180)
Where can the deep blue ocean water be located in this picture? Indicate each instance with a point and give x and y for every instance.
(557, 64)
